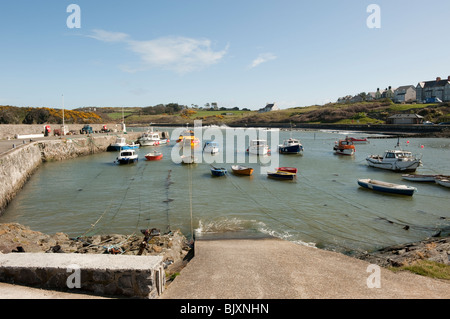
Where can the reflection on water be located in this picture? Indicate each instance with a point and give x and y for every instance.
(324, 206)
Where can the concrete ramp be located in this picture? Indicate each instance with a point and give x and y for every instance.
(269, 268)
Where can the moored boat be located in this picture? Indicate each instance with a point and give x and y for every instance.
(191, 159)
(358, 140)
(211, 147)
(290, 146)
(149, 138)
(216, 171)
(242, 170)
(187, 138)
(443, 181)
(287, 169)
(385, 187)
(154, 156)
(121, 144)
(344, 147)
(395, 160)
(419, 177)
(281, 175)
(127, 156)
(258, 147)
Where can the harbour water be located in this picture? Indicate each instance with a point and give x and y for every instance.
(323, 207)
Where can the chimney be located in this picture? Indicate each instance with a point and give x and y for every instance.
(448, 79)
(438, 79)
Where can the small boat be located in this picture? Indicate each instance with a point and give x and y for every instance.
(121, 144)
(211, 147)
(215, 171)
(290, 146)
(395, 160)
(258, 147)
(287, 169)
(154, 156)
(242, 170)
(387, 187)
(344, 147)
(419, 178)
(281, 175)
(127, 156)
(189, 159)
(358, 140)
(443, 181)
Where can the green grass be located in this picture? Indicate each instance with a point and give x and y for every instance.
(405, 107)
(201, 113)
(427, 268)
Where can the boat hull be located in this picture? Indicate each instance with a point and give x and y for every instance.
(287, 169)
(397, 166)
(241, 170)
(387, 187)
(419, 178)
(218, 172)
(443, 182)
(294, 149)
(281, 175)
(154, 157)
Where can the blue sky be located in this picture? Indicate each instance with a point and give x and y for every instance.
(236, 53)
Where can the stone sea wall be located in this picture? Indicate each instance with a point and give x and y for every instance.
(16, 166)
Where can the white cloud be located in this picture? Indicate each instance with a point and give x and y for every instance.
(179, 54)
(262, 58)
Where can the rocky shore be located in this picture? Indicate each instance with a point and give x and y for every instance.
(173, 246)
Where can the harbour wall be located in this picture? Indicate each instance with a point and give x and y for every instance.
(18, 164)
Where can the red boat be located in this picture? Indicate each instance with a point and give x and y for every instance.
(358, 140)
(154, 156)
(287, 169)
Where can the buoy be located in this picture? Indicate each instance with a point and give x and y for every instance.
(421, 146)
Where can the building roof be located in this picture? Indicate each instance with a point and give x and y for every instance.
(432, 84)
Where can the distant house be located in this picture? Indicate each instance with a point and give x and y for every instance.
(269, 107)
(439, 89)
(371, 96)
(378, 94)
(405, 94)
(388, 93)
(405, 119)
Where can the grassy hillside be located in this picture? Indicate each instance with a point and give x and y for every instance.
(375, 112)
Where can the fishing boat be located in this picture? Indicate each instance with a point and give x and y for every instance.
(242, 170)
(149, 138)
(211, 147)
(127, 156)
(121, 144)
(154, 156)
(290, 146)
(215, 171)
(189, 159)
(443, 181)
(287, 169)
(358, 140)
(281, 175)
(395, 160)
(344, 147)
(385, 187)
(258, 147)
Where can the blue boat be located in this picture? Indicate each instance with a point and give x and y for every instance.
(121, 144)
(290, 146)
(218, 171)
(385, 187)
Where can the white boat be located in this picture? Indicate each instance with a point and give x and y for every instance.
(387, 187)
(290, 146)
(191, 159)
(211, 147)
(443, 181)
(149, 138)
(258, 147)
(395, 160)
(127, 156)
(121, 144)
